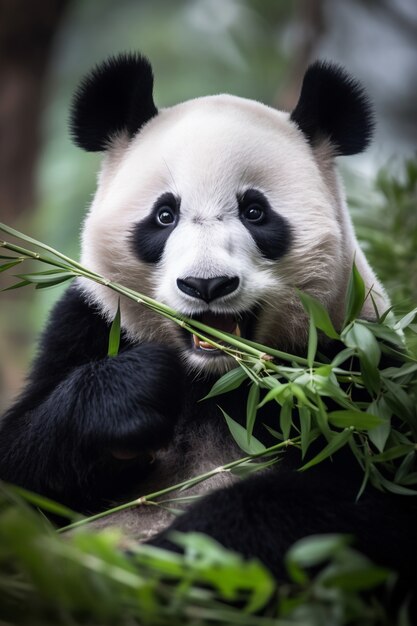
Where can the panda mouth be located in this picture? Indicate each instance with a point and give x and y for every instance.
(224, 323)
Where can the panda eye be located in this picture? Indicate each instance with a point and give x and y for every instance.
(165, 216)
(254, 213)
(253, 207)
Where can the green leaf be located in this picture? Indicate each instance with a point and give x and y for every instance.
(52, 283)
(351, 578)
(322, 419)
(275, 394)
(338, 441)
(114, 336)
(318, 314)
(406, 320)
(361, 338)
(379, 435)
(251, 408)
(250, 467)
(285, 418)
(229, 381)
(342, 356)
(7, 266)
(329, 387)
(48, 277)
(393, 453)
(312, 343)
(357, 419)
(406, 467)
(398, 400)
(355, 296)
(43, 503)
(391, 486)
(239, 434)
(305, 428)
(22, 283)
(312, 551)
(399, 372)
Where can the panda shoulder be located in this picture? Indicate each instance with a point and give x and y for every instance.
(75, 333)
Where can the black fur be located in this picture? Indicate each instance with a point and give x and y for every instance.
(262, 516)
(334, 106)
(272, 234)
(80, 405)
(149, 237)
(116, 96)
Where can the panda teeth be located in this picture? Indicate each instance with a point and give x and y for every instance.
(208, 347)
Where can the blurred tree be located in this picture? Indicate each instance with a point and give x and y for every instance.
(309, 27)
(27, 32)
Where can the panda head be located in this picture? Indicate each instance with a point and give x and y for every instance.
(221, 207)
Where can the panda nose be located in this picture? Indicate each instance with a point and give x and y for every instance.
(208, 289)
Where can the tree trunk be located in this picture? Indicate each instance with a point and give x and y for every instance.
(27, 31)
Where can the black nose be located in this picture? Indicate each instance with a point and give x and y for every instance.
(208, 289)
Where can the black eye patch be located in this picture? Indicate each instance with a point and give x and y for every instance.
(150, 235)
(270, 231)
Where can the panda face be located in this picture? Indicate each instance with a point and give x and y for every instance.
(218, 208)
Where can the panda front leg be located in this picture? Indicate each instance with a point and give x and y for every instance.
(86, 424)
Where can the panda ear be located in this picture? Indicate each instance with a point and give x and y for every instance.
(115, 97)
(334, 106)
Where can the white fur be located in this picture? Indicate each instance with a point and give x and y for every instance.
(206, 151)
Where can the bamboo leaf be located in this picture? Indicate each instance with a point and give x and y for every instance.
(7, 266)
(52, 277)
(406, 320)
(43, 503)
(312, 343)
(305, 428)
(356, 578)
(318, 314)
(229, 381)
(114, 336)
(22, 283)
(312, 551)
(240, 436)
(360, 337)
(250, 467)
(357, 419)
(379, 435)
(338, 441)
(393, 453)
(285, 418)
(355, 296)
(251, 408)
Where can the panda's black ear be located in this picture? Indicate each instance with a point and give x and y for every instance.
(334, 106)
(115, 97)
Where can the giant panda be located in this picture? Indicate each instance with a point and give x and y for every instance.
(222, 208)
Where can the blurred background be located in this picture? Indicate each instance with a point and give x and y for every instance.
(252, 48)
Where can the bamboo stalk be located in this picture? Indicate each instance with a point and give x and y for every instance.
(143, 500)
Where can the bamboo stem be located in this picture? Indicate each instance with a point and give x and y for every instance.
(182, 485)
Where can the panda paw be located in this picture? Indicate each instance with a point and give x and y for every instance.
(130, 403)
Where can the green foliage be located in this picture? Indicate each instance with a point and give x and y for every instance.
(100, 579)
(387, 226)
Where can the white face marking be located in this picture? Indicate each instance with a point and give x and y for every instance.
(206, 152)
